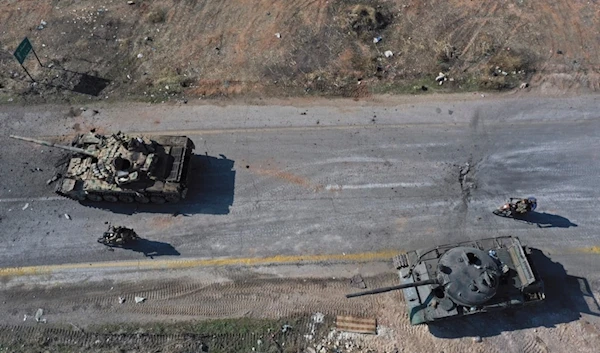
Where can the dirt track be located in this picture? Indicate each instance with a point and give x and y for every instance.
(167, 49)
(84, 312)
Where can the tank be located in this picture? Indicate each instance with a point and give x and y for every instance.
(124, 168)
(466, 278)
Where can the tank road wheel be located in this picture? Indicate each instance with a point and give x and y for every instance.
(141, 199)
(126, 198)
(110, 198)
(172, 198)
(157, 199)
(94, 197)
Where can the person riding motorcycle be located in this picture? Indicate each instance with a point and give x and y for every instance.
(118, 235)
(517, 207)
(525, 205)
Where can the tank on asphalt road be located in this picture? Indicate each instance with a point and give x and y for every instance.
(125, 168)
(466, 278)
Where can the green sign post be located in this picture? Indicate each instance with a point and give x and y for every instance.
(22, 50)
(21, 54)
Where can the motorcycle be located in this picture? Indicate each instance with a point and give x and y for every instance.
(516, 207)
(118, 236)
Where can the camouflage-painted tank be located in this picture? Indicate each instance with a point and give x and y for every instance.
(124, 168)
(465, 278)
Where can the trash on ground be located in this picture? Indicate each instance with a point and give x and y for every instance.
(26, 206)
(38, 316)
(286, 328)
(388, 53)
(121, 300)
(358, 282)
(318, 318)
(377, 39)
(140, 300)
(278, 35)
(67, 216)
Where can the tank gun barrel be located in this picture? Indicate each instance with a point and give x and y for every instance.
(389, 289)
(50, 144)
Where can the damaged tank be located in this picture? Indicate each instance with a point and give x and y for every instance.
(465, 278)
(124, 168)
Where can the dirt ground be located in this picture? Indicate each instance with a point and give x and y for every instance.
(181, 49)
(257, 311)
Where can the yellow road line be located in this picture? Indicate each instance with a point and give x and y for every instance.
(590, 250)
(189, 263)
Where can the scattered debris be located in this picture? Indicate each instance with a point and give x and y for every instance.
(67, 216)
(278, 35)
(140, 300)
(477, 339)
(26, 206)
(441, 77)
(286, 328)
(121, 300)
(388, 53)
(377, 39)
(524, 85)
(358, 282)
(25, 317)
(140, 55)
(38, 316)
(318, 318)
(130, 2)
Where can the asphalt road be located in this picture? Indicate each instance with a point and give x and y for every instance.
(345, 177)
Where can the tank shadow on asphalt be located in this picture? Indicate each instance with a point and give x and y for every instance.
(210, 191)
(567, 297)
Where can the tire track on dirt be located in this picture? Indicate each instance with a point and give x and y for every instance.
(263, 298)
(534, 344)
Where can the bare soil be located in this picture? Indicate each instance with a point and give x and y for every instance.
(264, 313)
(181, 49)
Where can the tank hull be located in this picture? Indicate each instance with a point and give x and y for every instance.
(519, 285)
(168, 182)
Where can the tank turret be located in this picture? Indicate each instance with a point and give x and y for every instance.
(465, 278)
(125, 168)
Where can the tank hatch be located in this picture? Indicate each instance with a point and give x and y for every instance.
(470, 277)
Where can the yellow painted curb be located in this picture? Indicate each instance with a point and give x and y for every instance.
(189, 263)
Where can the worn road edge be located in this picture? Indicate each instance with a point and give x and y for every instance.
(189, 263)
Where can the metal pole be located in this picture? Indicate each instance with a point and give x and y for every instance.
(27, 72)
(38, 59)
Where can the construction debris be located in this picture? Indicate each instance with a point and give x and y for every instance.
(358, 282)
(53, 179)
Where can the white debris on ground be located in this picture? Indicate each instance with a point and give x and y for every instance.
(140, 300)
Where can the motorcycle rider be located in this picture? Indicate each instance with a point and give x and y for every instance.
(525, 205)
